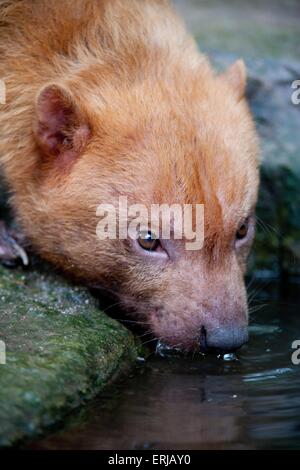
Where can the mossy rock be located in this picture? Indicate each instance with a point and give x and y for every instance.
(61, 350)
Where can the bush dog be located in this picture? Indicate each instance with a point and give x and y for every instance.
(110, 98)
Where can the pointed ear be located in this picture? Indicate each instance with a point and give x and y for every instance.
(61, 129)
(236, 76)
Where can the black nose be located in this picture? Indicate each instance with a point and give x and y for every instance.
(223, 338)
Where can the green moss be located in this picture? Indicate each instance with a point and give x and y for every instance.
(60, 351)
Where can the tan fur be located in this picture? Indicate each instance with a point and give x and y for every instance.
(163, 128)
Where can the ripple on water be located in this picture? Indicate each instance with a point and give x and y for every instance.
(249, 400)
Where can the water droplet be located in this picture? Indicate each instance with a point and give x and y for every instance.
(230, 357)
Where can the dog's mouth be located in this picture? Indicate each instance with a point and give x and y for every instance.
(165, 349)
(218, 341)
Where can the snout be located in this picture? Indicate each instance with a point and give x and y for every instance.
(227, 338)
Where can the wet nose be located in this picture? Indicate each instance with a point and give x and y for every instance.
(223, 338)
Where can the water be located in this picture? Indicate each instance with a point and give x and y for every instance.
(205, 402)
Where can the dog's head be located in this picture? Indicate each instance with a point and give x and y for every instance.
(187, 139)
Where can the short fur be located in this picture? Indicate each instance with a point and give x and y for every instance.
(153, 122)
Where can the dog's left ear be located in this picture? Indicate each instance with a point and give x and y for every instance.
(236, 76)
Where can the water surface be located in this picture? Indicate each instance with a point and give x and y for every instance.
(204, 402)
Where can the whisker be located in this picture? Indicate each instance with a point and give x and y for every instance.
(256, 308)
(111, 306)
(252, 280)
(149, 341)
(136, 322)
(145, 334)
(269, 228)
(255, 292)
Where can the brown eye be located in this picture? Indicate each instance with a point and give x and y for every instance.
(148, 241)
(243, 230)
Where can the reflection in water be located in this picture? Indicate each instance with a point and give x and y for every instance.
(205, 402)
